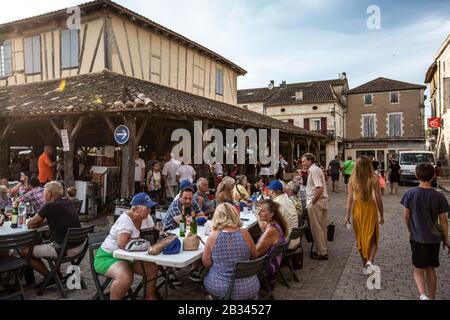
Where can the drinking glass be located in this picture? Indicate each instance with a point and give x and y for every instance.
(160, 226)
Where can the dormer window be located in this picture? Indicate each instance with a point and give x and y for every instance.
(299, 95)
(368, 99)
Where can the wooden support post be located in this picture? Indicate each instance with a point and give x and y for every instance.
(141, 131)
(291, 150)
(110, 124)
(69, 180)
(204, 167)
(308, 145)
(318, 151)
(127, 175)
(4, 150)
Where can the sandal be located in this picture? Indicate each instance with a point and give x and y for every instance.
(316, 256)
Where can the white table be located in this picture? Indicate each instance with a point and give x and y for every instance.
(182, 259)
(7, 230)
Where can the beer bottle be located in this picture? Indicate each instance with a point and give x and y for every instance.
(14, 215)
(183, 223)
(193, 225)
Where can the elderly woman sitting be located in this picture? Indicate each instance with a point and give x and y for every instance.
(126, 228)
(227, 244)
(224, 191)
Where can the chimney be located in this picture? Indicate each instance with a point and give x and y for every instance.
(272, 82)
(283, 83)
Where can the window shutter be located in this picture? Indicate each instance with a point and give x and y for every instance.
(323, 125)
(219, 81)
(446, 95)
(306, 124)
(28, 43)
(65, 49)
(5, 59)
(291, 121)
(37, 54)
(74, 44)
(398, 125)
(8, 58)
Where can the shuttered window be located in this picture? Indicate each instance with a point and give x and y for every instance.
(219, 82)
(368, 126)
(69, 48)
(32, 55)
(395, 125)
(5, 59)
(393, 97)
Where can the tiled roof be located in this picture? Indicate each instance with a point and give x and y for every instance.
(110, 92)
(384, 85)
(313, 91)
(255, 95)
(99, 4)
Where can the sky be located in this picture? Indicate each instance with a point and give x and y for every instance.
(296, 40)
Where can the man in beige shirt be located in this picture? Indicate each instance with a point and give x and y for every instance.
(317, 205)
(287, 208)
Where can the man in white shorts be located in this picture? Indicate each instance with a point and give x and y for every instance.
(60, 215)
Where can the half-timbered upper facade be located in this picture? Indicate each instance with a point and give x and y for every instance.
(112, 37)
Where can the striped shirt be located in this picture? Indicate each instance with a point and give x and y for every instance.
(174, 211)
(35, 197)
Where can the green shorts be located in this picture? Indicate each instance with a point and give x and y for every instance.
(104, 260)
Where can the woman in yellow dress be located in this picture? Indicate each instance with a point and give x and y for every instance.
(364, 202)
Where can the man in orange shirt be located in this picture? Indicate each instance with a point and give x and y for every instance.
(45, 165)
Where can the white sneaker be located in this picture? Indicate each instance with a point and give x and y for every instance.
(365, 271)
(424, 297)
(369, 268)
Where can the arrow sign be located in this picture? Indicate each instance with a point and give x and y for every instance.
(122, 134)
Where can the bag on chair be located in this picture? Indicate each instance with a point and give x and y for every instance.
(330, 232)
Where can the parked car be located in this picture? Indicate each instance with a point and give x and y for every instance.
(408, 160)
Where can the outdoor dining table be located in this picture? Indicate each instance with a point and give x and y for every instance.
(7, 230)
(182, 259)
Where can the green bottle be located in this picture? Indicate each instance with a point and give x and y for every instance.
(183, 223)
(14, 215)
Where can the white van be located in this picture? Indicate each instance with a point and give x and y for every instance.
(408, 160)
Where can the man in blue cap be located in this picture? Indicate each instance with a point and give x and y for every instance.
(287, 208)
(172, 220)
(183, 185)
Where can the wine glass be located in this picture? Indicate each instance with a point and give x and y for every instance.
(160, 226)
(188, 223)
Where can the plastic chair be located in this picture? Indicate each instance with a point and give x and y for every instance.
(296, 233)
(74, 236)
(246, 269)
(13, 264)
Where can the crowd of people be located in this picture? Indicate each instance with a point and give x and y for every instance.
(280, 207)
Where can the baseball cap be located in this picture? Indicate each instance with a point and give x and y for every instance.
(143, 199)
(275, 185)
(185, 184)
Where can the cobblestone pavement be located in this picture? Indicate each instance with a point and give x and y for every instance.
(339, 278)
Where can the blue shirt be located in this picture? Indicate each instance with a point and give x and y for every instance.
(175, 210)
(425, 206)
(208, 206)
